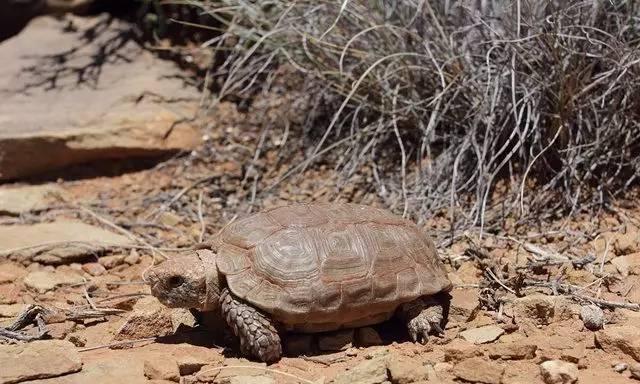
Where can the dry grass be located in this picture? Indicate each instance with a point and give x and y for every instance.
(446, 104)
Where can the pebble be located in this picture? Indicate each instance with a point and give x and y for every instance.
(94, 269)
(110, 262)
(620, 367)
(559, 372)
(161, 369)
(482, 335)
(592, 316)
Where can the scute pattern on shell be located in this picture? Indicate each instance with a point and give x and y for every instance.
(323, 266)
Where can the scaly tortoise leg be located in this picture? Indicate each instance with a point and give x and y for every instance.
(258, 337)
(424, 316)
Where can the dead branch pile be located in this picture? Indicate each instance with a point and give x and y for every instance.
(449, 104)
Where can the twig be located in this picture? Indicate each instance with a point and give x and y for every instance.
(115, 344)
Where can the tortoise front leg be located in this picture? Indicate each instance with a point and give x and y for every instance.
(424, 316)
(258, 336)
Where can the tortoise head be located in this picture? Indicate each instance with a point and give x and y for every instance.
(187, 281)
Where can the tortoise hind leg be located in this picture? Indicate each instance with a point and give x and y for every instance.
(258, 336)
(424, 316)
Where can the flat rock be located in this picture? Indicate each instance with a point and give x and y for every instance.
(161, 369)
(403, 370)
(512, 351)
(37, 360)
(620, 339)
(482, 335)
(104, 371)
(61, 241)
(130, 104)
(148, 318)
(478, 370)
(43, 281)
(19, 200)
(559, 372)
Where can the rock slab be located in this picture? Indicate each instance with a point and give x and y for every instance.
(81, 90)
(58, 242)
(19, 200)
(620, 339)
(482, 335)
(37, 360)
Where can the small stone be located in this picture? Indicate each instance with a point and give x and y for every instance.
(148, 318)
(478, 370)
(161, 369)
(298, 344)
(368, 336)
(336, 341)
(38, 360)
(622, 338)
(592, 316)
(94, 269)
(405, 371)
(573, 355)
(559, 372)
(60, 330)
(482, 335)
(463, 303)
(43, 281)
(182, 317)
(620, 367)
(133, 257)
(634, 369)
(110, 262)
(512, 351)
(77, 340)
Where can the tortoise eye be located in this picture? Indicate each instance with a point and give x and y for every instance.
(175, 281)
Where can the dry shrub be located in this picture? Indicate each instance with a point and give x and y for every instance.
(445, 101)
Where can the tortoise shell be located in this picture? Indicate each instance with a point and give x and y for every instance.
(325, 266)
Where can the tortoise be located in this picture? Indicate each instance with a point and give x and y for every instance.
(310, 268)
